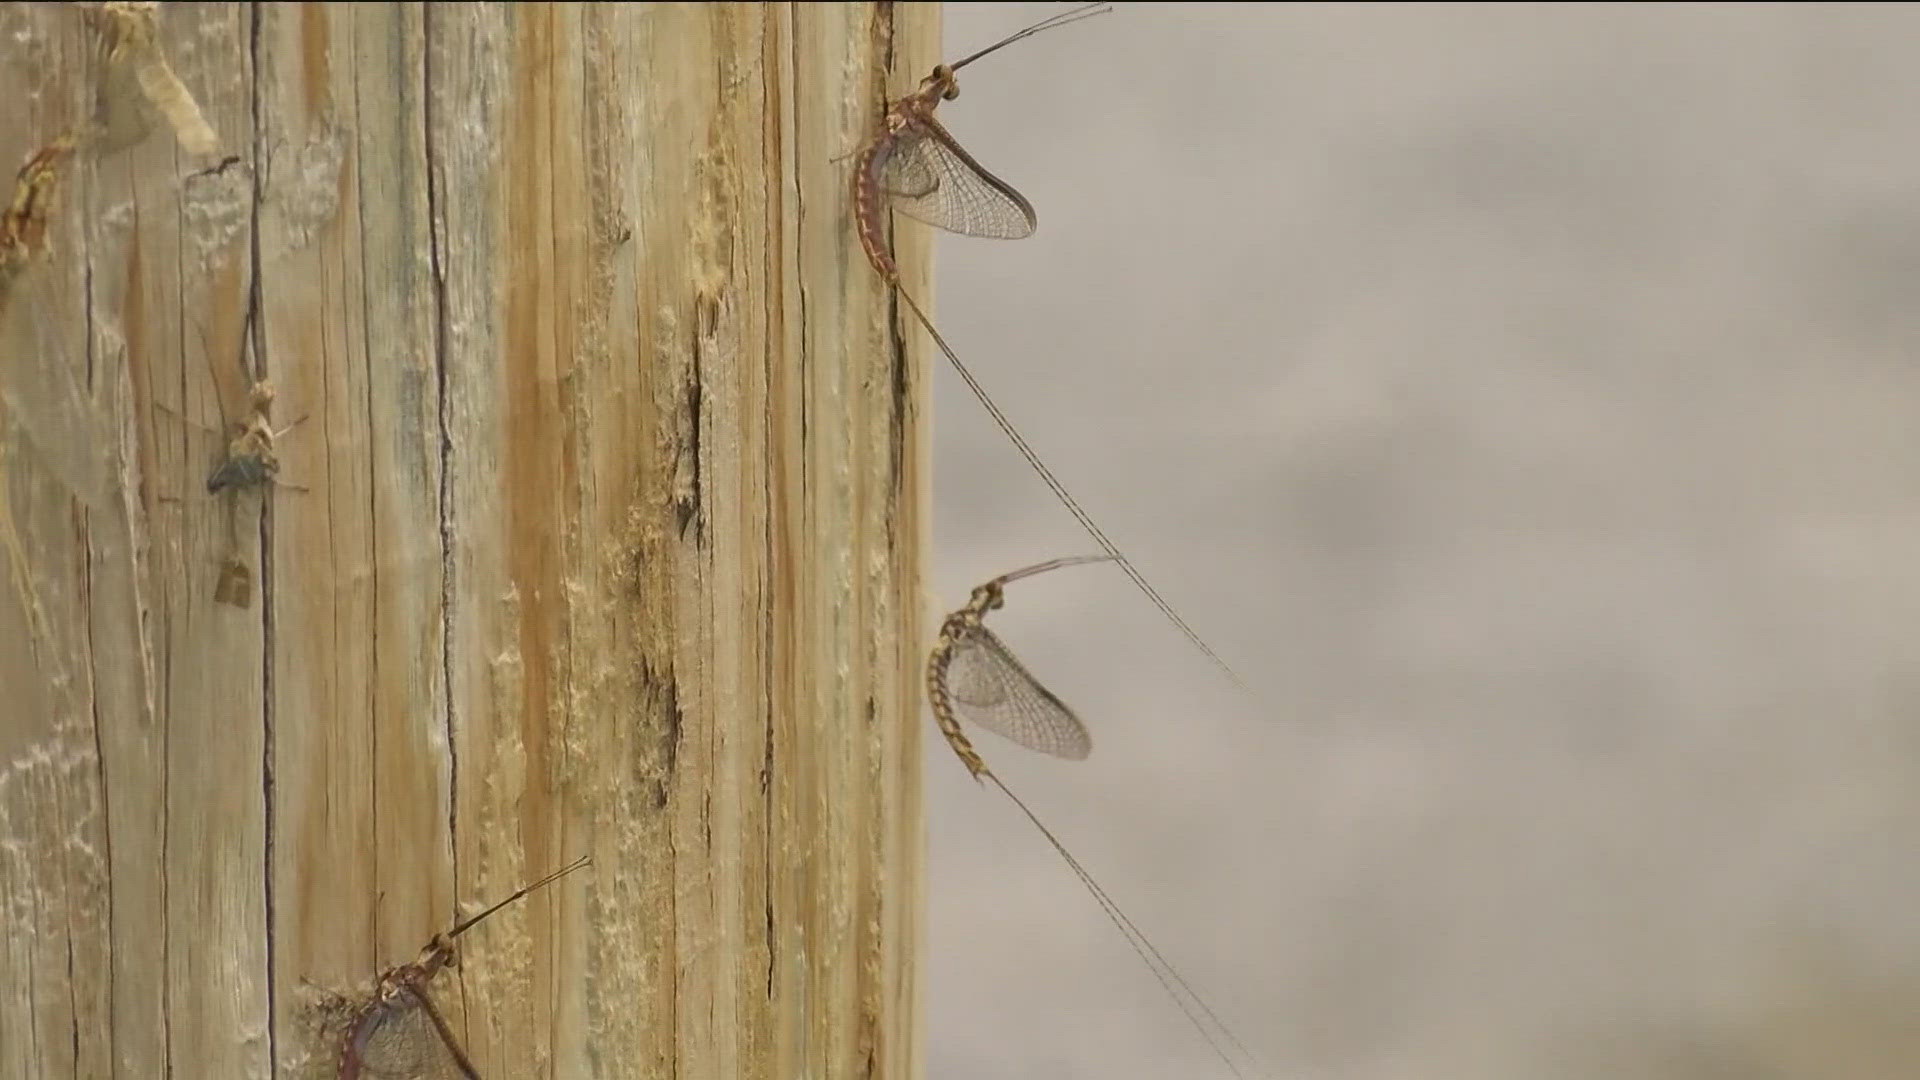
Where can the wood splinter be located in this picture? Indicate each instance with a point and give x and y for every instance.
(24, 223)
(138, 82)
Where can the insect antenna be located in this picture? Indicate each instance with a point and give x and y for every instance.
(1050, 564)
(1084, 11)
(467, 924)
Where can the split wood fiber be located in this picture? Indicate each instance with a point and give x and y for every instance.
(614, 517)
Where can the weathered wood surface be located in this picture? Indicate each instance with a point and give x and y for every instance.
(611, 543)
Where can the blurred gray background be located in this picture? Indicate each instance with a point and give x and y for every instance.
(1525, 400)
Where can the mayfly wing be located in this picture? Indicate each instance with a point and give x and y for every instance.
(904, 172)
(238, 467)
(404, 1038)
(931, 178)
(241, 469)
(990, 687)
(971, 680)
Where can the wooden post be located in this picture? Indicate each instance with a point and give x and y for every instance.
(610, 543)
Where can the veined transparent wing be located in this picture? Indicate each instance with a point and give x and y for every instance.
(991, 688)
(905, 172)
(402, 1039)
(931, 179)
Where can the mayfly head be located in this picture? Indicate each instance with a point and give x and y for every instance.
(988, 597)
(940, 84)
(437, 956)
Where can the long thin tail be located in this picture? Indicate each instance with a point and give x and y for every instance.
(1066, 498)
(1201, 1015)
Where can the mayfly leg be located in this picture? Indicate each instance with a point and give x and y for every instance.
(915, 166)
(972, 673)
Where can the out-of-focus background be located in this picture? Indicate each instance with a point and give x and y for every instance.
(1527, 400)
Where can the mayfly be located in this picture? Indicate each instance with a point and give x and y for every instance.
(250, 461)
(400, 1033)
(972, 673)
(915, 166)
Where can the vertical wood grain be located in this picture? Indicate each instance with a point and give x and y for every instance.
(610, 543)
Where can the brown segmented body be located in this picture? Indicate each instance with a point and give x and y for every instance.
(869, 205)
(939, 697)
